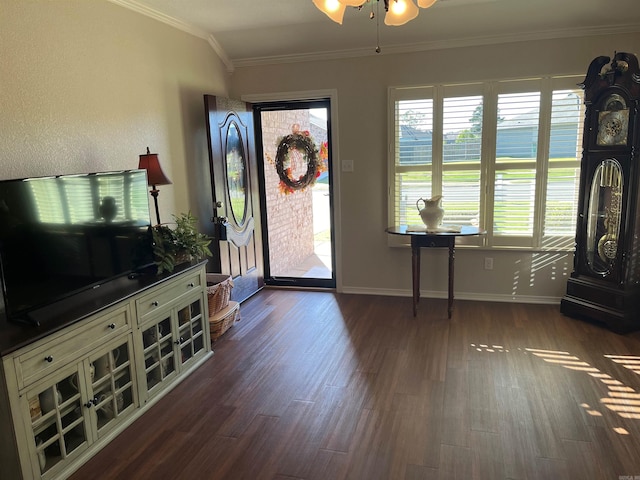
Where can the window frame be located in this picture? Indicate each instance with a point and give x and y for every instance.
(490, 91)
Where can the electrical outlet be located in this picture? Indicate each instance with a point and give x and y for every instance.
(347, 165)
(488, 263)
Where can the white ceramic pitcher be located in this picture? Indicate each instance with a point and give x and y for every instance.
(432, 212)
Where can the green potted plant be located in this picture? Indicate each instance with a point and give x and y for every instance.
(173, 246)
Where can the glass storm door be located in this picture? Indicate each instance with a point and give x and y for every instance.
(293, 146)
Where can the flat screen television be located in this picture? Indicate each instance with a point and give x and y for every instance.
(66, 234)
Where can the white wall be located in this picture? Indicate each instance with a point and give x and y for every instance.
(368, 264)
(86, 86)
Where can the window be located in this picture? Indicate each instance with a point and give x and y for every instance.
(505, 156)
(461, 140)
(565, 144)
(515, 165)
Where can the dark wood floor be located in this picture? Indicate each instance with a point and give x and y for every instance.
(316, 385)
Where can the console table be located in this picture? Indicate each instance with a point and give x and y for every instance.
(423, 238)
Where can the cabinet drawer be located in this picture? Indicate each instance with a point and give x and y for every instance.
(75, 341)
(434, 241)
(161, 298)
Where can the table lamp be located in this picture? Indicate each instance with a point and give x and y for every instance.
(155, 176)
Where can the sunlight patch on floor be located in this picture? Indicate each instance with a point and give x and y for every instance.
(621, 399)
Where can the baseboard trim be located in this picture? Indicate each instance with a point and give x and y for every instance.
(458, 295)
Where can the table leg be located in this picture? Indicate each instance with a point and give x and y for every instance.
(415, 274)
(452, 243)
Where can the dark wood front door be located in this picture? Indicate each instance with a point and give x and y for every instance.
(237, 238)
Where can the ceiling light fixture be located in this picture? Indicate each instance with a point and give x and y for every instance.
(398, 12)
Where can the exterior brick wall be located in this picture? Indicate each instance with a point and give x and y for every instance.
(290, 217)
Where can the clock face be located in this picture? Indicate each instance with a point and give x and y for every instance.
(613, 122)
(612, 128)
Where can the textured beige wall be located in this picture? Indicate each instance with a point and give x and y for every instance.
(368, 264)
(87, 85)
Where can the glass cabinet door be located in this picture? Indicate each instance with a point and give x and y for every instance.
(112, 385)
(172, 340)
(159, 355)
(58, 420)
(191, 330)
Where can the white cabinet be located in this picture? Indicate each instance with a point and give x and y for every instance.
(63, 397)
(72, 409)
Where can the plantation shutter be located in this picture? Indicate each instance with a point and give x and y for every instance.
(565, 144)
(461, 159)
(504, 155)
(515, 167)
(413, 165)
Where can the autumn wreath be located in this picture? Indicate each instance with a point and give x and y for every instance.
(314, 159)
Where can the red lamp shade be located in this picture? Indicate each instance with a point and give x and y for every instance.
(155, 175)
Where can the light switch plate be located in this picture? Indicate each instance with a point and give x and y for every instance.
(347, 165)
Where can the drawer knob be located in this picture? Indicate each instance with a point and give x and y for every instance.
(154, 303)
(191, 285)
(48, 358)
(112, 326)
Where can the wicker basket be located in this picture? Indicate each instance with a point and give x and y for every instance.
(224, 320)
(218, 291)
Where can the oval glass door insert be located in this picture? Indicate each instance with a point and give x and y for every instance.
(236, 174)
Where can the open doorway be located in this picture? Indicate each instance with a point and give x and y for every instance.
(293, 149)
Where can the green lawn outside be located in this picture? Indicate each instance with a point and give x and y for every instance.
(515, 213)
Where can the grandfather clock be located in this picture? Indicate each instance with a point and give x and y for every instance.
(605, 283)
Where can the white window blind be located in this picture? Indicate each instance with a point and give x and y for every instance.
(461, 158)
(504, 155)
(414, 157)
(518, 117)
(565, 146)
(445, 160)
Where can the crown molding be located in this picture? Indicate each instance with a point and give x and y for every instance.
(221, 53)
(180, 25)
(370, 52)
(440, 45)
